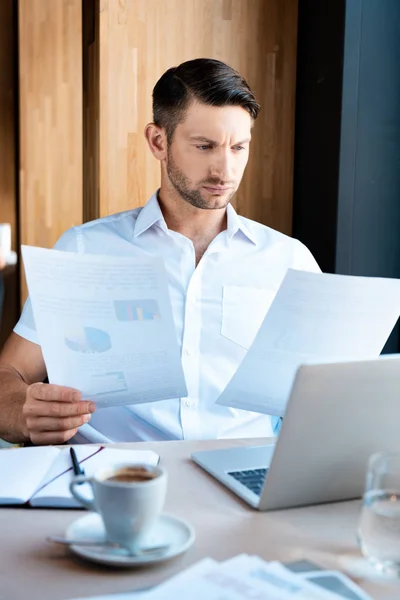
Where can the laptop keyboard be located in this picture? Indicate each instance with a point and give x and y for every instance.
(251, 478)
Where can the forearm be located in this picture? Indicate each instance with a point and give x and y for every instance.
(12, 397)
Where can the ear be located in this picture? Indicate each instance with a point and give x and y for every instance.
(157, 140)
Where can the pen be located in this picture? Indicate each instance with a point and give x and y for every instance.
(76, 466)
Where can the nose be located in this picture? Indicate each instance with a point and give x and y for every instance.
(222, 166)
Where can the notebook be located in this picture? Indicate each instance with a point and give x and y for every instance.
(40, 476)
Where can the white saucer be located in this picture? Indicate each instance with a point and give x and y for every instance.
(167, 530)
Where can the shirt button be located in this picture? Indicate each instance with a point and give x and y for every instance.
(187, 352)
(189, 403)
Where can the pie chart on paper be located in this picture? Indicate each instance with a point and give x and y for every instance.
(88, 340)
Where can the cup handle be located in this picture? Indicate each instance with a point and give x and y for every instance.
(89, 504)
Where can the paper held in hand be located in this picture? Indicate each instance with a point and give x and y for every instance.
(314, 318)
(105, 325)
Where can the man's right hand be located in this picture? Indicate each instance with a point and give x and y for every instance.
(53, 413)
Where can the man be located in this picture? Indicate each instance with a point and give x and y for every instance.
(223, 272)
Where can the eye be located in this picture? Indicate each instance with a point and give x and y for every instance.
(204, 147)
(238, 148)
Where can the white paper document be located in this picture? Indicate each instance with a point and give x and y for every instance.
(243, 578)
(337, 582)
(315, 317)
(208, 580)
(276, 575)
(105, 325)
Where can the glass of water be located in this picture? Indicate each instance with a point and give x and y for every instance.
(379, 526)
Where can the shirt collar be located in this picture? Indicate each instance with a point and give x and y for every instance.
(235, 224)
(151, 215)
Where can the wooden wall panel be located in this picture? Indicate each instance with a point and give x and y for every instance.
(50, 72)
(140, 39)
(8, 199)
(8, 158)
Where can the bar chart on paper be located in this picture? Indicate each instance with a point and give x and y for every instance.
(136, 310)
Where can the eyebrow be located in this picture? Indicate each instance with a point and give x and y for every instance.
(199, 138)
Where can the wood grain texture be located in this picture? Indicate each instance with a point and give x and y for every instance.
(8, 158)
(8, 198)
(50, 74)
(140, 39)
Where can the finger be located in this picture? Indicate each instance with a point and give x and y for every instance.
(38, 408)
(51, 437)
(40, 424)
(50, 392)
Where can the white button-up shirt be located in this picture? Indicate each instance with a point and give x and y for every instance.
(218, 308)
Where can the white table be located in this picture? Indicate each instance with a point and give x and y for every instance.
(31, 568)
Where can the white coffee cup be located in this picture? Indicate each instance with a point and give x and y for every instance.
(5, 240)
(128, 505)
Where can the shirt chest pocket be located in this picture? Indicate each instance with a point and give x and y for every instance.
(243, 311)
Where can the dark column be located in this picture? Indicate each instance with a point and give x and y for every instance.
(347, 152)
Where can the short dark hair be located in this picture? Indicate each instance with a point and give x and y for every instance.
(205, 80)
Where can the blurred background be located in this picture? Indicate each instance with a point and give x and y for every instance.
(76, 78)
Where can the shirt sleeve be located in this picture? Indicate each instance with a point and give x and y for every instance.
(303, 260)
(26, 327)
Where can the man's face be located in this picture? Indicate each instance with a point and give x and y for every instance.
(208, 154)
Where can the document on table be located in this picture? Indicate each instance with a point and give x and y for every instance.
(244, 577)
(315, 317)
(105, 325)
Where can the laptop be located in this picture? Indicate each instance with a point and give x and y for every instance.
(336, 417)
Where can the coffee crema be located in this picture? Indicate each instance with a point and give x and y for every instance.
(132, 475)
